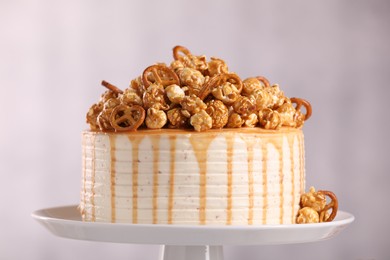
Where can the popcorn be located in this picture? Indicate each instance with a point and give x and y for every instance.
(244, 106)
(192, 92)
(314, 200)
(227, 93)
(175, 93)
(176, 118)
(193, 104)
(217, 66)
(154, 96)
(287, 112)
(155, 119)
(270, 119)
(251, 120)
(218, 112)
(177, 66)
(277, 96)
(103, 120)
(192, 79)
(189, 60)
(130, 97)
(137, 85)
(307, 215)
(261, 98)
(250, 85)
(92, 115)
(201, 121)
(235, 121)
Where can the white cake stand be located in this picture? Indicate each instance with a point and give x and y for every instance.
(186, 242)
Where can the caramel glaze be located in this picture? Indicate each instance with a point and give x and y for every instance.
(301, 165)
(113, 176)
(156, 159)
(279, 147)
(199, 149)
(292, 169)
(172, 141)
(230, 142)
(250, 143)
(265, 181)
(135, 141)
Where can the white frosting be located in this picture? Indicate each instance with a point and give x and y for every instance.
(259, 183)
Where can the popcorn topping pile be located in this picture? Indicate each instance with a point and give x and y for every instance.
(195, 93)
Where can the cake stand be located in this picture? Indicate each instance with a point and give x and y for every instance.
(180, 242)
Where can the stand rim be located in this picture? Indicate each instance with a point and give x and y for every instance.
(66, 222)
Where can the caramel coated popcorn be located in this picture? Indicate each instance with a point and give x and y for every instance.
(194, 92)
(155, 119)
(218, 112)
(201, 121)
(307, 215)
(315, 208)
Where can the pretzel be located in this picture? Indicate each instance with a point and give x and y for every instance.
(331, 205)
(127, 118)
(219, 80)
(112, 87)
(160, 74)
(301, 102)
(264, 81)
(176, 52)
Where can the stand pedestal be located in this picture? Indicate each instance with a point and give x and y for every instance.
(191, 253)
(186, 242)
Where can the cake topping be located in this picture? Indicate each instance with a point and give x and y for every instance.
(314, 207)
(193, 92)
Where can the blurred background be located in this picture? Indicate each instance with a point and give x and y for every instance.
(54, 54)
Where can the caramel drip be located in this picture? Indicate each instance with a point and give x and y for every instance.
(264, 152)
(113, 175)
(301, 164)
(135, 141)
(172, 141)
(200, 150)
(281, 183)
(230, 150)
(291, 147)
(156, 159)
(250, 180)
(93, 176)
(250, 143)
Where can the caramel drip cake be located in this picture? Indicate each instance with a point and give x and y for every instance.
(193, 144)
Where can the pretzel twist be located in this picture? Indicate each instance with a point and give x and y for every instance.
(302, 102)
(127, 118)
(160, 74)
(263, 80)
(180, 49)
(333, 204)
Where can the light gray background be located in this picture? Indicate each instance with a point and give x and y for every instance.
(54, 54)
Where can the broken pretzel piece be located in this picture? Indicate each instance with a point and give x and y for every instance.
(112, 87)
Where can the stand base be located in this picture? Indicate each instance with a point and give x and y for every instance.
(191, 253)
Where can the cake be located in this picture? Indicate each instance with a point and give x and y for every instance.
(193, 144)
